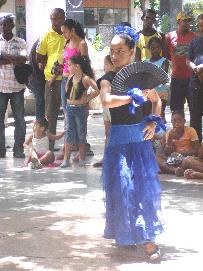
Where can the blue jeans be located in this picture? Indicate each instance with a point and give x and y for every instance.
(17, 106)
(38, 92)
(64, 99)
(77, 124)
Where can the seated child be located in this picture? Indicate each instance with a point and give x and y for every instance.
(38, 145)
(181, 140)
(194, 166)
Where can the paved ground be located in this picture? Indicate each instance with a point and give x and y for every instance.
(52, 219)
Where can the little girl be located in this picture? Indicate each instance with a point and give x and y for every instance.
(38, 145)
(155, 47)
(108, 67)
(77, 106)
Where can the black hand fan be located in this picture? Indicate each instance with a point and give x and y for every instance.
(142, 75)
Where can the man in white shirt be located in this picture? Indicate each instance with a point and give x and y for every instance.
(12, 52)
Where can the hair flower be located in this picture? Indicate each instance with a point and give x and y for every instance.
(128, 31)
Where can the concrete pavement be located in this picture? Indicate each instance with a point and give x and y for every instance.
(52, 219)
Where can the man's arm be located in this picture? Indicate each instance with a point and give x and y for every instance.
(41, 61)
(10, 59)
(41, 52)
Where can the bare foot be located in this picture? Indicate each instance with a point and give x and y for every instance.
(192, 174)
(179, 172)
(152, 251)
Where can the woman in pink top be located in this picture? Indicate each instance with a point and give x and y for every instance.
(76, 45)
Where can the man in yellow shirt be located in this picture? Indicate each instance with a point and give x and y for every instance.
(49, 50)
(148, 31)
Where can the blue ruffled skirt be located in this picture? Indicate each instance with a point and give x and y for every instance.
(132, 187)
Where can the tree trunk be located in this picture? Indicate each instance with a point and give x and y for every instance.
(164, 7)
(171, 8)
(2, 2)
(175, 7)
(144, 4)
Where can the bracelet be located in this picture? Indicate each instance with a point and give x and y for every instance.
(158, 121)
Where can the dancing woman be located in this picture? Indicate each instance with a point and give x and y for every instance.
(130, 171)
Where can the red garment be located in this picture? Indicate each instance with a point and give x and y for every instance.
(178, 46)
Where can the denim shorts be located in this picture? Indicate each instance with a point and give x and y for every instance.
(77, 124)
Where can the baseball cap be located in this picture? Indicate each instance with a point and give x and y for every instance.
(183, 16)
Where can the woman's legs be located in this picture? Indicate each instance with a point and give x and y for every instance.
(82, 151)
(67, 153)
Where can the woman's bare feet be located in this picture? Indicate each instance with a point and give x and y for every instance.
(152, 250)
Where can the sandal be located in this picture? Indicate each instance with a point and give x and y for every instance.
(152, 251)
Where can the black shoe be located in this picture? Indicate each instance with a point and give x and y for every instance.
(89, 153)
(18, 154)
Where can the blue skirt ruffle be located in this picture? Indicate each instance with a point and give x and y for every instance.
(132, 187)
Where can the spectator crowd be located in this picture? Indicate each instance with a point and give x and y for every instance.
(62, 76)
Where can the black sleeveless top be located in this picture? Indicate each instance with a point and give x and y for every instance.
(80, 89)
(121, 115)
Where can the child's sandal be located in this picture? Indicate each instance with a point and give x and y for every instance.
(152, 251)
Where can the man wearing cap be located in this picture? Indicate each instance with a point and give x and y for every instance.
(12, 52)
(195, 62)
(49, 51)
(178, 44)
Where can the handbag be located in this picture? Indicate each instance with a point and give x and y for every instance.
(175, 159)
(22, 72)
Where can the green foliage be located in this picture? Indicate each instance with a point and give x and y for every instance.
(137, 4)
(194, 9)
(98, 42)
(165, 24)
(155, 4)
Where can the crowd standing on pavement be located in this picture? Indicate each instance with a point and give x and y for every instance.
(62, 75)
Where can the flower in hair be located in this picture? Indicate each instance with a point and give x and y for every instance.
(128, 31)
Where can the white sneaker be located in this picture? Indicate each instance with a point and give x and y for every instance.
(65, 164)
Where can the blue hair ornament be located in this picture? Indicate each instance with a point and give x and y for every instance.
(159, 122)
(137, 99)
(128, 31)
